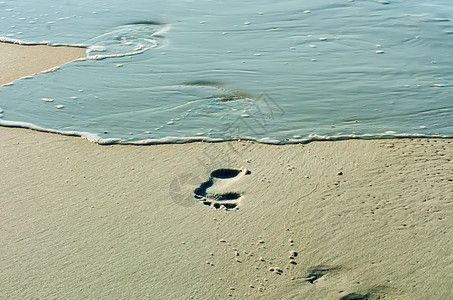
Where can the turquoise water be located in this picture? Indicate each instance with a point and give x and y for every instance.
(175, 71)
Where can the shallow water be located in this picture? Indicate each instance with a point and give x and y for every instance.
(215, 70)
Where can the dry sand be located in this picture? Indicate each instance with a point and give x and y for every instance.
(367, 219)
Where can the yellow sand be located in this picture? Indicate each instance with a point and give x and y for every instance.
(84, 221)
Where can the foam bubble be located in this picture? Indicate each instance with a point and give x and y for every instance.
(125, 40)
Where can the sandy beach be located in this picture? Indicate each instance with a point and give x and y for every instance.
(355, 219)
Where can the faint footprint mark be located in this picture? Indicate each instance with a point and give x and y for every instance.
(377, 292)
(229, 200)
(356, 296)
(316, 272)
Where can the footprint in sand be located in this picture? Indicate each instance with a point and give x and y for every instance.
(356, 296)
(220, 178)
(316, 272)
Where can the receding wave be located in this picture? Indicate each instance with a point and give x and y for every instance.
(273, 72)
(130, 39)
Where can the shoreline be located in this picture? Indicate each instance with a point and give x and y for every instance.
(347, 219)
(26, 60)
(93, 138)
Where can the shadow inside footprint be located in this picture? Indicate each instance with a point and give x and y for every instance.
(217, 201)
(200, 192)
(225, 197)
(314, 273)
(225, 173)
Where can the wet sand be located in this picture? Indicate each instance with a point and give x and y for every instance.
(328, 220)
(19, 61)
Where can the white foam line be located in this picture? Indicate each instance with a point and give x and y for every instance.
(183, 140)
(89, 136)
(8, 40)
(45, 43)
(99, 57)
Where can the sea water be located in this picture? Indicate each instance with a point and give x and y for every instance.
(272, 71)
